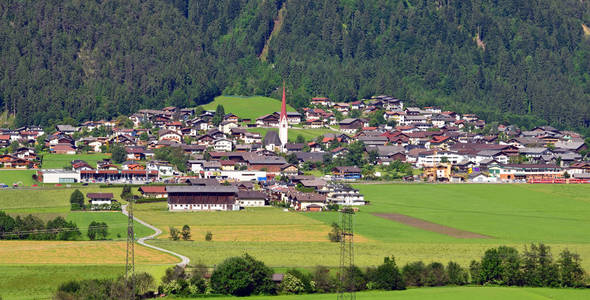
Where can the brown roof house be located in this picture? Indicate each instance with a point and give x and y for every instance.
(200, 198)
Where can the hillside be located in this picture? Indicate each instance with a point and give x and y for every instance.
(523, 62)
(247, 107)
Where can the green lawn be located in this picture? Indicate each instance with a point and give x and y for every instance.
(308, 134)
(45, 200)
(20, 177)
(41, 281)
(247, 107)
(448, 293)
(116, 221)
(58, 161)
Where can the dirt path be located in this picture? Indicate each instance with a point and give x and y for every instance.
(425, 225)
(185, 260)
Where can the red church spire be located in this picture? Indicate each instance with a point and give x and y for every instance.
(283, 105)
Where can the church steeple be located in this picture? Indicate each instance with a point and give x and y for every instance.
(283, 123)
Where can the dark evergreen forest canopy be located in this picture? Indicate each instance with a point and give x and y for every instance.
(520, 61)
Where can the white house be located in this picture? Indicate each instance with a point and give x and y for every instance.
(223, 145)
(251, 198)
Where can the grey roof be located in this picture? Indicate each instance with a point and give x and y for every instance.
(271, 138)
(571, 145)
(201, 189)
(251, 195)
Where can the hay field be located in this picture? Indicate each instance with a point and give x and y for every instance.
(77, 252)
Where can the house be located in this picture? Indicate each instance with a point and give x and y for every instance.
(346, 172)
(202, 198)
(169, 135)
(100, 198)
(62, 149)
(153, 191)
(306, 201)
(68, 129)
(223, 145)
(163, 168)
(251, 198)
(321, 101)
(350, 125)
(342, 195)
(270, 120)
(271, 141)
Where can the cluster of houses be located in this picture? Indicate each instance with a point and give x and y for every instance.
(445, 146)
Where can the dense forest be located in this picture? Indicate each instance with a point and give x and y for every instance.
(520, 61)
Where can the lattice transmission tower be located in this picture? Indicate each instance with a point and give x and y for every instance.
(130, 258)
(346, 288)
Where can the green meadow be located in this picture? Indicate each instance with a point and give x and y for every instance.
(58, 161)
(513, 215)
(447, 293)
(30, 282)
(20, 177)
(247, 107)
(308, 134)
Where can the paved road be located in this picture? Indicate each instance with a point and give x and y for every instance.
(185, 260)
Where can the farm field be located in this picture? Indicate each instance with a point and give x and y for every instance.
(512, 215)
(20, 177)
(247, 107)
(307, 133)
(32, 281)
(448, 293)
(58, 161)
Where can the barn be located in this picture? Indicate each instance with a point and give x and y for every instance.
(202, 198)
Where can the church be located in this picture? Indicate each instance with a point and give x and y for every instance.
(271, 140)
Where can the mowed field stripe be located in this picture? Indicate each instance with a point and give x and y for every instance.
(426, 225)
(77, 252)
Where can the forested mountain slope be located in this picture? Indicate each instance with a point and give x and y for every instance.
(522, 61)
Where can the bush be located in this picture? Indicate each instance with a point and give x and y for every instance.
(291, 285)
(354, 279)
(323, 282)
(98, 230)
(208, 236)
(336, 234)
(242, 276)
(77, 200)
(414, 274)
(570, 269)
(174, 234)
(305, 278)
(456, 274)
(475, 271)
(436, 275)
(186, 232)
(387, 276)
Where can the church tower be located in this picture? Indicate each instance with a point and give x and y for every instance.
(283, 124)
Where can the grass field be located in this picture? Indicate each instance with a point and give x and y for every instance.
(58, 161)
(512, 215)
(20, 177)
(31, 281)
(449, 293)
(247, 107)
(308, 134)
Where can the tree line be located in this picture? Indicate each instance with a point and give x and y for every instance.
(244, 275)
(31, 227)
(520, 62)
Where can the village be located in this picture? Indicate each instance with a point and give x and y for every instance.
(220, 164)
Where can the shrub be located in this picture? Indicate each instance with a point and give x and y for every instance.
(387, 276)
(354, 279)
(242, 276)
(475, 271)
(77, 200)
(291, 285)
(186, 232)
(174, 234)
(336, 234)
(570, 269)
(323, 282)
(456, 274)
(414, 274)
(208, 236)
(98, 230)
(305, 278)
(436, 275)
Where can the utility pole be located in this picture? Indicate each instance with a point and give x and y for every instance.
(130, 258)
(346, 290)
